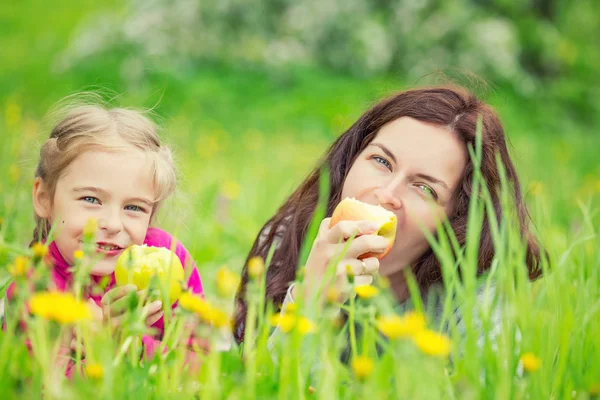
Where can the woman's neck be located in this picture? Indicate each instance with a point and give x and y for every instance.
(398, 285)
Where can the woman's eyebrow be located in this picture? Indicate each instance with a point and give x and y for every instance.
(385, 150)
(431, 179)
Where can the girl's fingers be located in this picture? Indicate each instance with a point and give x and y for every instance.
(117, 293)
(153, 311)
(115, 308)
(152, 319)
(346, 229)
(366, 244)
(96, 310)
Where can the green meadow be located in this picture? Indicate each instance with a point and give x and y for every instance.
(244, 136)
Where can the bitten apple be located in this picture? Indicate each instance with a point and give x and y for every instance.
(351, 209)
(141, 264)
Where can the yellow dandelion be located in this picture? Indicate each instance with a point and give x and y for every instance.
(231, 190)
(349, 271)
(536, 188)
(195, 304)
(256, 267)
(530, 362)
(227, 282)
(366, 291)
(61, 307)
(12, 114)
(19, 267)
(395, 327)
(94, 371)
(14, 173)
(286, 322)
(291, 308)
(205, 311)
(384, 282)
(362, 366)
(39, 250)
(217, 317)
(306, 326)
(433, 343)
(333, 295)
(78, 254)
(90, 228)
(207, 147)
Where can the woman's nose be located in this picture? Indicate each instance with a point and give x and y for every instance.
(389, 194)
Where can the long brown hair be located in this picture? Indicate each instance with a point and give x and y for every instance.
(450, 106)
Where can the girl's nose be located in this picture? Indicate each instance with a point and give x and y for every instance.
(111, 222)
(389, 194)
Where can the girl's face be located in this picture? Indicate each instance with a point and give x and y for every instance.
(411, 168)
(115, 188)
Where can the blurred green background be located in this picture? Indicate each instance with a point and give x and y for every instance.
(250, 94)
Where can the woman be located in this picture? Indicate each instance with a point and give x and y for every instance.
(409, 154)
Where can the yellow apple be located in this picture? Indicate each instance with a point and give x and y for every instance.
(140, 264)
(351, 209)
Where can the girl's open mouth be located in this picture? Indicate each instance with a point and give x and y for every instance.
(109, 249)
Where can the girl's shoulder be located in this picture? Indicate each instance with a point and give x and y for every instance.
(157, 237)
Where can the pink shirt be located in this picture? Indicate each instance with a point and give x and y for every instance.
(62, 278)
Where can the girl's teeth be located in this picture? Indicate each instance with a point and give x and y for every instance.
(104, 247)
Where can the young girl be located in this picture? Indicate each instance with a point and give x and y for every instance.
(106, 165)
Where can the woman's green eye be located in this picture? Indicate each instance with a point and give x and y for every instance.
(429, 191)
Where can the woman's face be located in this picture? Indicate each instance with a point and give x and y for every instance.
(411, 168)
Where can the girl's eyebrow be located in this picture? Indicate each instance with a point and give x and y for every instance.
(89, 189)
(385, 150)
(142, 200)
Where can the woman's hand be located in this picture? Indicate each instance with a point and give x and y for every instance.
(115, 305)
(329, 246)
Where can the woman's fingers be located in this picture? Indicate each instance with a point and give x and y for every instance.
(368, 266)
(362, 280)
(371, 266)
(366, 244)
(347, 229)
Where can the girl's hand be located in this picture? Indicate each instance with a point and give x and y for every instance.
(115, 305)
(330, 244)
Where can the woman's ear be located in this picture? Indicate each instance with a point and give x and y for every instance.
(42, 203)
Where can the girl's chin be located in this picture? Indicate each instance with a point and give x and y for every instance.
(103, 268)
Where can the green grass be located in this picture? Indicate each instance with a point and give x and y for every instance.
(244, 138)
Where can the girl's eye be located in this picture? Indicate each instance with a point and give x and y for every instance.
(428, 191)
(132, 207)
(90, 199)
(382, 161)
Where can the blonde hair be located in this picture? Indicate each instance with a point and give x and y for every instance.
(93, 127)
